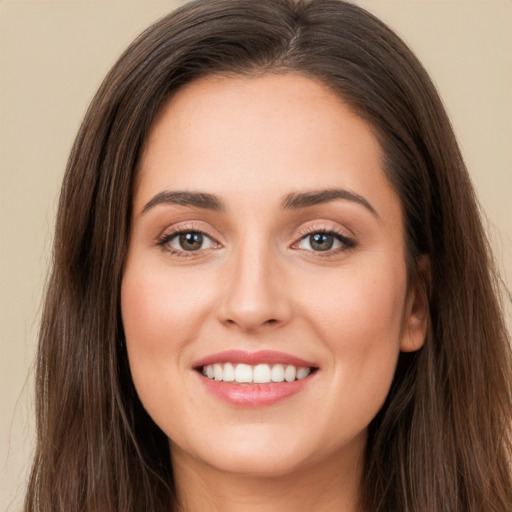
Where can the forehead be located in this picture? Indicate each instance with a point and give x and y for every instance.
(266, 135)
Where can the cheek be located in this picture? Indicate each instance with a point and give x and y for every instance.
(160, 316)
(361, 304)
(359, 317)
(159, 313)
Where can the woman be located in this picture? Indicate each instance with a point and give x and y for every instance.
(271, 286)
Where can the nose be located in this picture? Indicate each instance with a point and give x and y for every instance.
(255, 295)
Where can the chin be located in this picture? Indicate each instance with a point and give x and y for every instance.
(248, 450)
(260, 451)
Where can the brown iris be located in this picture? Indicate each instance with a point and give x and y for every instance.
(191, 241)
(321, 241)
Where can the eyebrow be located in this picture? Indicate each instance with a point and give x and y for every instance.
(293, 201)
(299, 200)
(195, 199)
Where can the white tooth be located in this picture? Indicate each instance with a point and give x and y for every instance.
(261, 374)
(277, 373)
(209, 371)
(229, 373)
(289, 373)
(217, 371)
(243, 373)
(302, 372)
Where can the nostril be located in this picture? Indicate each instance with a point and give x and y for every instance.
(251, 326)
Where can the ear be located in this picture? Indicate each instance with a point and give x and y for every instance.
(416, 314)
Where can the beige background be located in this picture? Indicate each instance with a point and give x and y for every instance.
(53, 55)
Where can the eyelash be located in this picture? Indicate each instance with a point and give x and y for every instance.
(165, 239)
(347, 243)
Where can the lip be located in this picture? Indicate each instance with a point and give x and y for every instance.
(253, 395)
(253, 358)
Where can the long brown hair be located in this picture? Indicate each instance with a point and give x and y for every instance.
(442, 441)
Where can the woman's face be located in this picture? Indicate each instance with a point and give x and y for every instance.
(267, 243)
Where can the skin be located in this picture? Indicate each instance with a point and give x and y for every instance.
(259, 285)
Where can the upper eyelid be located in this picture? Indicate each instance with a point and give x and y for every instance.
(324, 227)
(184, 228)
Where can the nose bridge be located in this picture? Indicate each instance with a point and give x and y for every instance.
(254, 291)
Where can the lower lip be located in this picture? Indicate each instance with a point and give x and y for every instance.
(254, 395)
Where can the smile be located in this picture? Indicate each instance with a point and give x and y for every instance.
(254, 379)
(260, 374)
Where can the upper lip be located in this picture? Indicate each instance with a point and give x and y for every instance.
(253, 358)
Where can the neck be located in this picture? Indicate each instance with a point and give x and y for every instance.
(323, 487)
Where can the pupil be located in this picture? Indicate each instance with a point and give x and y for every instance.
(191, 241)
(321, 241)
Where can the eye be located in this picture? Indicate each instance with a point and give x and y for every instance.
(186, 241)
(324, 241)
